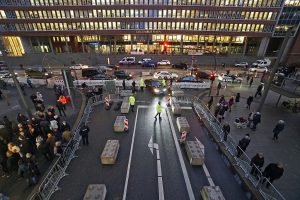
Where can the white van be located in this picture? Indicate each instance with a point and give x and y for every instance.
(262, 63)
(127, 61)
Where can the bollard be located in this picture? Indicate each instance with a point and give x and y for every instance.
(126, 125)
(183, 137)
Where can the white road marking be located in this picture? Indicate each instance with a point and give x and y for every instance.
(183, 168)
(186, 107)
(160, 189)
(159, 173)
(130, 155)
(150, 145)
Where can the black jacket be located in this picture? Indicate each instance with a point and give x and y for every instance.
(273, 171)
(84, 130)
(256, 160)
(278, 128)
(244, 143)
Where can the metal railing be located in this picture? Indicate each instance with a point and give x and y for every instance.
(230, 145)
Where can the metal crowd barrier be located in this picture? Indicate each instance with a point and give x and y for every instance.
(243, 162)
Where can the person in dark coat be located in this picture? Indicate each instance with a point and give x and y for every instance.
(50, 116)
(259, 89)
(44, 148)
(256, 120)
(22, 118)
(61, 108)
(257, 162)
(221, 114)
(278, 128)
(218, 88)
(249, 101)
(226, 130)
(251, 81)
(210, 102)
(133, 86)
(84, 132)
(243, 144)
(272, 172)
(248, 78)
(237, 97)
(65, 126)
(124, 85)
(217, 109)
(222, 99)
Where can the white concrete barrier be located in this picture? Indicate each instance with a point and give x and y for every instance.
(119, 83)
(192, 85)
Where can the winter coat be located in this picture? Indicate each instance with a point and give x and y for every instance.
(249, 100)
(273, 171)
(256, 118)
(243, 143)
(256, 160)
(278, 128)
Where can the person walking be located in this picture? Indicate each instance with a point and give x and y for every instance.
(251, 81)
(132, 102)
(272, 172)
(210, 102)
(84, 132)
(250, 119)
(60, 108)
(63, 100)
(243, 144)
(158, 110)
(259, 89)
(230, 103)
(221, 114)
(249, 101)
(142, 84)
(237, 97)
(256, 120)
(133, 86)
(257, 162)
(278, 128)
(124, 85)
(218, 88)
(248, 78)
(226, 130)
(163, 83)
(29, 82)
(1, 95)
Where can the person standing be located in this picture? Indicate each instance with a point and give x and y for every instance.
(1, 95)
(237, 97)
(133, 86)
(60, 108)
(158, 110)
(221, 114)
(29, 82)
(249, 101)
(226, 130)
(257, 162)
(259, 89)
(84, 132)
(256, 120)
(124, 85)
(218, 88)
(248, 78)
(210, 102)
(272, 172)
(163, 83)
(243, 144)
(132, 102)
(142, 84)
(251, 81)
(278, 128)
(230, 103)
(63, 100)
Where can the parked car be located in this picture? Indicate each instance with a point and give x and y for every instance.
(3, 65)
(79, 66)
(258, 69)
(103, 68)
(164, 62)
(200, 74)
(90, 72)
(101, 77)
(241, 64)
(38, 73)
(144, 60)
(127, 61)
(189, 79)
(120, 74)
(4, 74)
(261, 63)
(229, 78)
(155, 86)
(180, 66)
(165, 74)
(150, 63)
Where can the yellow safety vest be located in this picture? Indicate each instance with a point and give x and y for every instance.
(132, 100)
(163, 82)
(158, 108)
(142, 83)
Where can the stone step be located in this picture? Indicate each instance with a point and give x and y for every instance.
(110, 152)
(95, 192)
(194, 152)
(212, 193)
(182, 124)
(119, 124)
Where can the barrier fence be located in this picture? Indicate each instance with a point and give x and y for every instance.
(242, 162)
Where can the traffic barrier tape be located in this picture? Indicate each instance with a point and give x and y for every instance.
(126, 125)
(183, 137)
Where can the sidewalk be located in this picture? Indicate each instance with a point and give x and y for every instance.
(285, 150)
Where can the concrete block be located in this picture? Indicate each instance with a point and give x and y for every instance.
(182, 124)
(119, 124)
(125, 105)
(95, 192)
(125, 93)
(194, 152)
(212, 193)
(110, 152)
(176, 108)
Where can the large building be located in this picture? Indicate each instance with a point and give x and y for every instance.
(152, 26)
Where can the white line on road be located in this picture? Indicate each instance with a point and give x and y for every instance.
(130, 155)
(183, 168)
(160, 189)
(159, 168)
(186, 108)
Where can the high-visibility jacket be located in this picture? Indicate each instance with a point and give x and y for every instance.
(142, 83)
(63, 100)
(163, 83)
(131, 100)
(158, 108)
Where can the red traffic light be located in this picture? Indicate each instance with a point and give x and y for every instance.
(166, 44)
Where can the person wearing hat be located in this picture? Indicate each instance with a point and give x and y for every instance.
(243, 144)
(278, 128)
(272, 172)
(257, 162)
(158, 110)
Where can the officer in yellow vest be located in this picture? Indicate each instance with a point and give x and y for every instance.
(142, 84)
(158, 110)
(163, 83)
(132, 102)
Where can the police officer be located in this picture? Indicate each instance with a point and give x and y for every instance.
(142, 84)
(132, 102)
(163, 83)
(84, 132)
(158, 110)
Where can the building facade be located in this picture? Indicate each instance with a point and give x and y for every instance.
(150, 26)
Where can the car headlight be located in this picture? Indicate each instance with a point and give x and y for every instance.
(46, 74)
(156, 90)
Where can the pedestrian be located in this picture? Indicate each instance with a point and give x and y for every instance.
(60, 108)
(158, 110)
(237, 97)
(124, 85)
(29, 82)
(210, 102)
(133, 86)
(226, 130)
(250, 119)
(65, 126)
(6, 95)
(218, 88)
(259, 89)
(63, 100)
(132, 102)
(243, 144)
(251, 81)
(248, 78)
(221, 114)
(272, 172)
(249, 101)
(163, 83)
(230, 103)
(39, 97)
(256, 120)
(57, 148)
(222, 99)
(23, 89)
(217, 109)
(84, 132)
(278, 128)
(142, 84)
(257, 162)
(1, 95)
